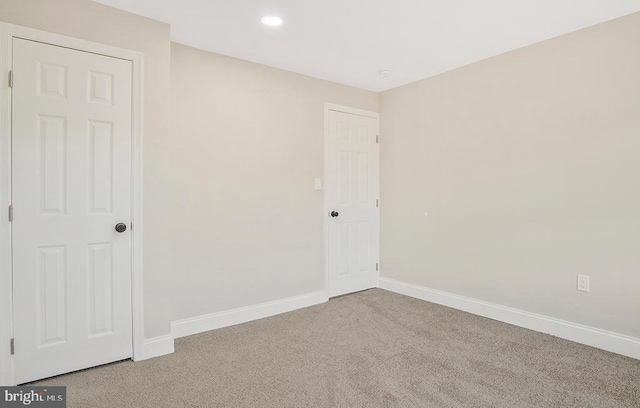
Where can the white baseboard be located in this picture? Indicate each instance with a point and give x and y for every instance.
(590, 336)
(156, 347)
(199, 324)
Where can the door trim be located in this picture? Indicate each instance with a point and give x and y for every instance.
(328, 107)
(7, 33)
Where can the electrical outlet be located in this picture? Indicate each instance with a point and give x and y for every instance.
(583, 283)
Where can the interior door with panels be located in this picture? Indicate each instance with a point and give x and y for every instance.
(353, 164)
(71, 186)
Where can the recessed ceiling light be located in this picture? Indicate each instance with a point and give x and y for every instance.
(384, 73)
(272, 21)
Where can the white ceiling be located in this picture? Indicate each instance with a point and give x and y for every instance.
(349, 41)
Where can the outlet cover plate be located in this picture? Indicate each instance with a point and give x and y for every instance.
(583, 283)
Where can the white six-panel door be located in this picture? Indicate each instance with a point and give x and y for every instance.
(71, 184)
(353, 164)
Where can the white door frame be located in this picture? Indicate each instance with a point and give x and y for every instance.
(7, 33)
(328, 107)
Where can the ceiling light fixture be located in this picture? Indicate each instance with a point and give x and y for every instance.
(272, 21)
(384, 73)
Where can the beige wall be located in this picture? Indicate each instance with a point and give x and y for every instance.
(528, 165)
(94, 22)
(249, 141)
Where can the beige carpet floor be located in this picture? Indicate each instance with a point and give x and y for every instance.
(370, 349)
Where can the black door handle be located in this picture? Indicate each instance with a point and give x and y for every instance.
(334, 213)
(121, 227)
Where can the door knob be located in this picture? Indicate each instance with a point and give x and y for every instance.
(334, 213)
(121, 227)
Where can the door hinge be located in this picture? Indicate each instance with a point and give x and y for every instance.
(13, 346)
(377, 266)
(377, 202)
(10, 79)
(11, 213)
(377, 138)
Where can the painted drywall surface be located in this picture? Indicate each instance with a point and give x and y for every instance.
(249, 142)
(94, 22)
(505, 179)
